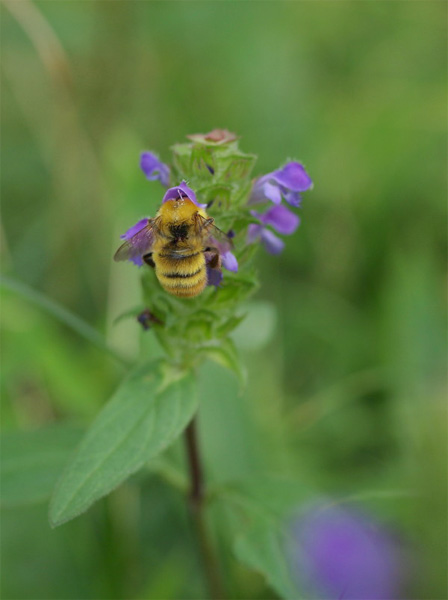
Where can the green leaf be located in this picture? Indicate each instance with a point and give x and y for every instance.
(268, 503)
(264, 549)
(229, 325)
(146, 414)
(32, 461)
(238, 166)
(225, 354)
(131, 313)
(60, 313)
(270, 496)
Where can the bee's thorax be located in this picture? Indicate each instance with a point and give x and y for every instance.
(179, 231)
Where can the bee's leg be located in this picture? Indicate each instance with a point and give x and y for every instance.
(148, 260)
(213, 258)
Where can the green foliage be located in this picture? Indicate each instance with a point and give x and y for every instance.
(32, 462)
(148, 411)
(225, 353)
(60, 313)
(263, 549)
(231, 170)
(264, 508)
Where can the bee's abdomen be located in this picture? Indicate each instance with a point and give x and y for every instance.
(183, 275)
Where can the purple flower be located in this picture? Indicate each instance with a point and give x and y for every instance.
(345, 555)
(286, 182)
(182, 191)
(279, 218)
(137, 260)
(154, 169)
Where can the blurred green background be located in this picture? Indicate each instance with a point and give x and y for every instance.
(345, 341)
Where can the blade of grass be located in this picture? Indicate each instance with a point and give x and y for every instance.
(61, 314)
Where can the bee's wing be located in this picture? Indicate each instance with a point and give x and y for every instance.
(213, 235)
(139, 244)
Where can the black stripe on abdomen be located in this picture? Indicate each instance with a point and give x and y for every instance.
(182, 275)
(175, 256)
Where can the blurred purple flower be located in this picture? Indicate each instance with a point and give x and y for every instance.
(279, 218)
(182, 191)
(154, 169)
(346, 555)
(137, 260)
(286, 182)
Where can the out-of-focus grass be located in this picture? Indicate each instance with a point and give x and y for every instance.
(349, 389)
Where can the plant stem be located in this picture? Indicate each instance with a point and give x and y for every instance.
(196, 503)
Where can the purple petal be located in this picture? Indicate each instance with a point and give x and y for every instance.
(293, 177)
(257, 194)
(271, 242)
(134, 229)
(281, 219)
(222, 244)
(154, 169)
(254, 232)
(182, 191)
(214, 276)
(229, 261)
(264, 189)
(137, 260)
(272, 192)
(293, 198)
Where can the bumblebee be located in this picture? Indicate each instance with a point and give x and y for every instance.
(180, 242)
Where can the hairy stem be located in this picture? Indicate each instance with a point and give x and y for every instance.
(196, 503)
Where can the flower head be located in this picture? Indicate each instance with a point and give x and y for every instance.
(279, 218)
(346, 554)
(182, 191)
(286, 182)
(154, 169)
